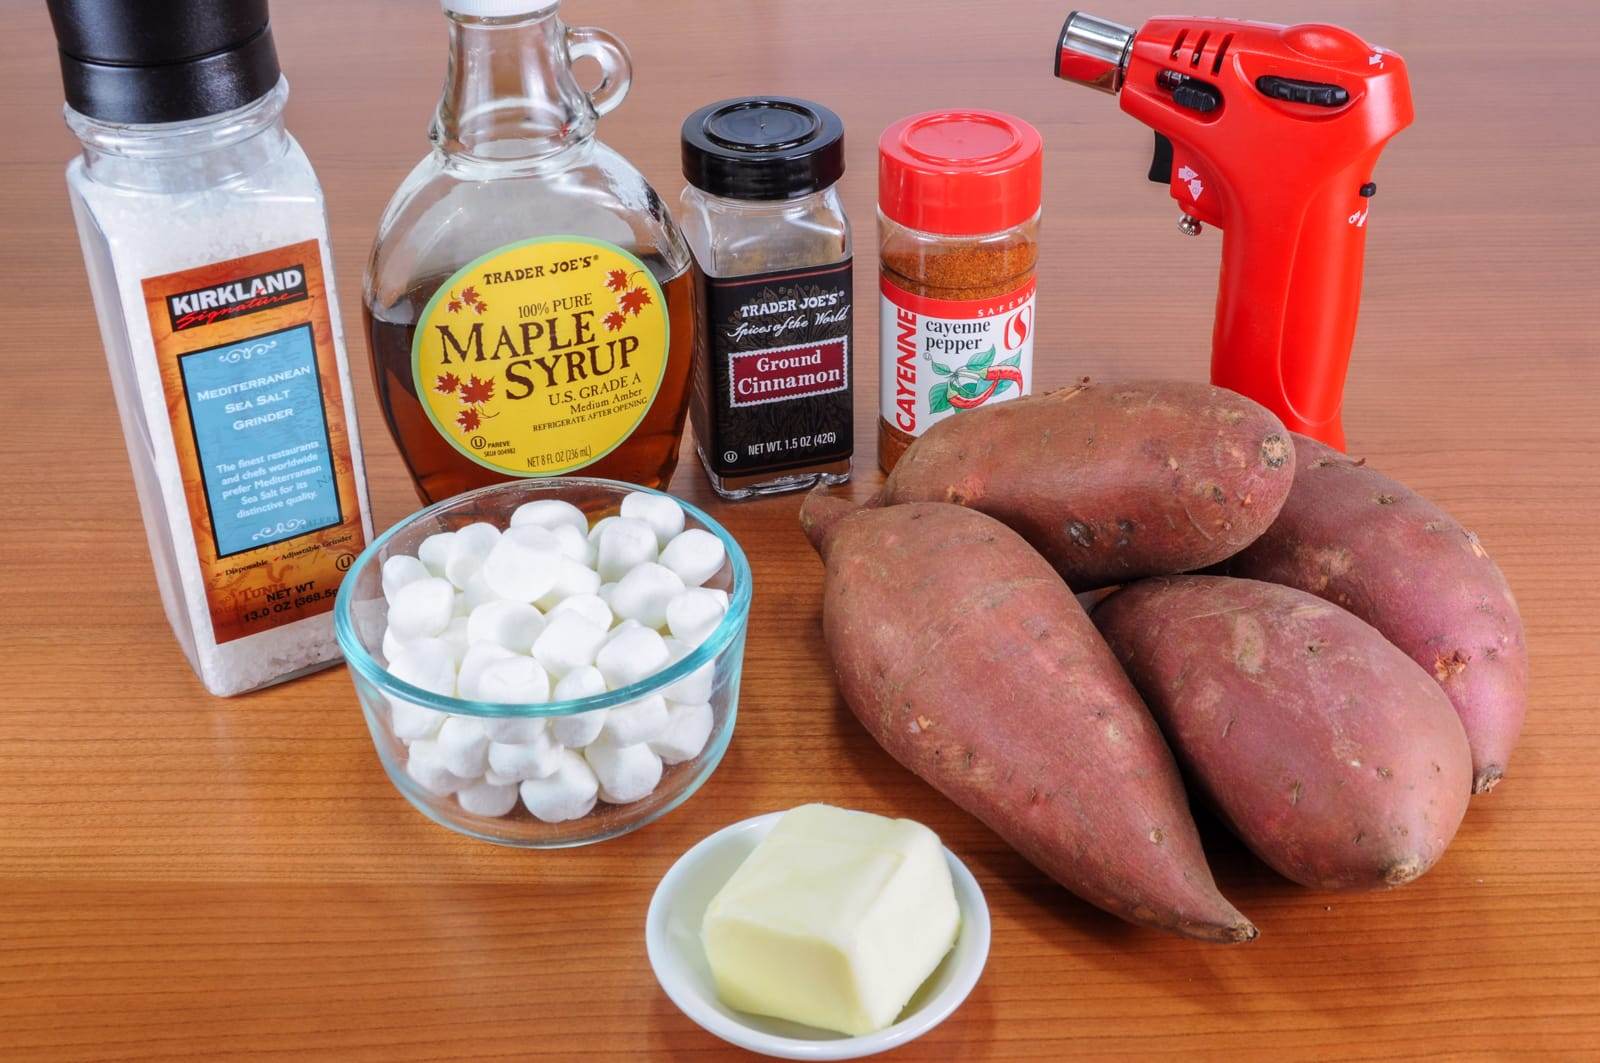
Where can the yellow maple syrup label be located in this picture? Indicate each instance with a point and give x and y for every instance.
(542, 356)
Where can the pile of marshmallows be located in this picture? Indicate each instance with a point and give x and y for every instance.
(551, 609)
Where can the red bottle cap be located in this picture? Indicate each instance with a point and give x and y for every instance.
(960, 173)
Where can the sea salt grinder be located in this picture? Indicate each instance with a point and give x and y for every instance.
(206, 244)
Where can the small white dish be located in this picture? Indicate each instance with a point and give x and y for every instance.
(672, 937)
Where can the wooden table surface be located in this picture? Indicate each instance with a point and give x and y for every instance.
(187, 877)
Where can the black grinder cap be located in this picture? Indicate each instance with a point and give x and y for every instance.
(144, 62)
(763, 147)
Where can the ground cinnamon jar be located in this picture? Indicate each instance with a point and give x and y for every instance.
(958, 227)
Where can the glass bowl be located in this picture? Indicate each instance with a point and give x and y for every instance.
(712, 667)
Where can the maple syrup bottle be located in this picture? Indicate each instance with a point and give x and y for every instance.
(530, 304)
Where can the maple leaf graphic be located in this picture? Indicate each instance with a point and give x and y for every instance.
(477, 390)
(447, 383)
(480, 306)
(617, 279)
(615, 320)
(469, 294)
(634, 301)
(468, 419)
(454, 306)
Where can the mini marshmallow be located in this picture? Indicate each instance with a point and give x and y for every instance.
(514, 730)
(522, 565)
(426, 663)
(475, 593)
(454, 636)
(698, 684)
(624, 627)
(631, 656)
(599, 529)
(688, 728)
(695, 614)
(589, 606)
(425, 765)
(696, 555)
(411, 722)
(643, 593)
(516, 680)
(568, 641)
(572, 578)
(485, 798)
(537, 759)
(400, 570)
(625, 773)
(393, 645)
(574, 544)
(637, 721)
(461, 607)
(513, 625)
(550, 513)
(434, 551)
(579, 729)
(585, 682)
(467, 552)
(422, 609)
(463, 746)
(624, 544)
(478, 657)
(664, 515)
(567, 794)
(495, 779)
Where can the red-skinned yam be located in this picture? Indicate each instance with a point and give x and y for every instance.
(963, 653)
(1111, 482)
(1358, 538)
(1330, 753)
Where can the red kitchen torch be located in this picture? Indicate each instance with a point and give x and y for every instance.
(1270, 133)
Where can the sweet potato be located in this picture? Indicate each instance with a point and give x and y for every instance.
(972, 664)
(1354, 536)
(1111, 482)
(1331, 754)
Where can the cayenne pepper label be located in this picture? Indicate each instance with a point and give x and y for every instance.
(252, 382)
(542, 356)
(940, 356)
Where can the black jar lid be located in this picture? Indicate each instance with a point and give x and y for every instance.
(155, 61)
(763, 147)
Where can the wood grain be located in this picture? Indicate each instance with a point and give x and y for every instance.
(182, 877)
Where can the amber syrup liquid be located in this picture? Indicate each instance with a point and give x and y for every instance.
(440, 471)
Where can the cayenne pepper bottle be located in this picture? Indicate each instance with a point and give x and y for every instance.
(958, 228)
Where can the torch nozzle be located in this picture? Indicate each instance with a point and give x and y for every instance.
(1093, 51)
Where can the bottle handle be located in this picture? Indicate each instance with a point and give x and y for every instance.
(616, 69)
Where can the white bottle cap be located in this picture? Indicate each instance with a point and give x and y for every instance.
(498, 8)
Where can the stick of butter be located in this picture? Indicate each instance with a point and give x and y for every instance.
(833, 920)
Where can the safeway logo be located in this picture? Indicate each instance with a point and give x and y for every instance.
(1358, 219)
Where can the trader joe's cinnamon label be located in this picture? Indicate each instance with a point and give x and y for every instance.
(248, 365)
(779, 370)
(542, 356)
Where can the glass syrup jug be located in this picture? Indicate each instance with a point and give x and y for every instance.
(530, 303)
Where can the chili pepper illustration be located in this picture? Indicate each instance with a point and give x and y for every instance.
(994, 374)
